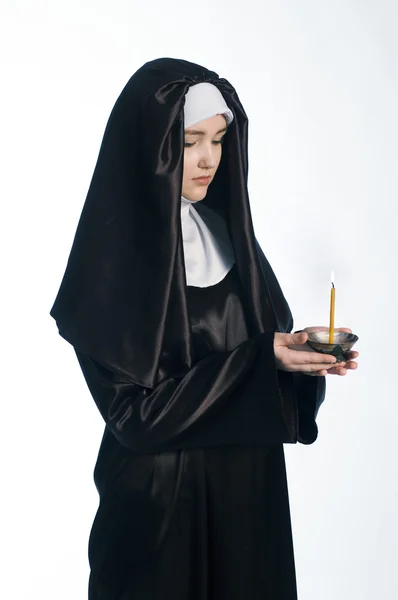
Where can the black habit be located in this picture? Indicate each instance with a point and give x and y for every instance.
(190, 473)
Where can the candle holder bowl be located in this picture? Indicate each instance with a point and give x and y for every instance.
(343, 342)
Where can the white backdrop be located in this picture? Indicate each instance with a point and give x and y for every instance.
(319, 81)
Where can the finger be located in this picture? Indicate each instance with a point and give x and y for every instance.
(301, 348)
(338, 371)
(304, 358)
(321, 373)
(299, 338)
(352, 365)
(290, 339)
(311, 369)
(352, 354)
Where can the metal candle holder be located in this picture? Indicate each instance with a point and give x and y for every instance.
(343, 342)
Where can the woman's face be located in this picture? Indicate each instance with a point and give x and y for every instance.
(202, 155)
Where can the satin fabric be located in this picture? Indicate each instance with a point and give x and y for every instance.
(122, 299)
(191, 476)
(218, 321)
(207, 524)
(232, 394)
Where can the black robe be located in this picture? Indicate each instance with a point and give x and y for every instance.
(191, 474)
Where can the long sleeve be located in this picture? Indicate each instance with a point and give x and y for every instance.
(310, 395)
(305, 392)
(227, 397)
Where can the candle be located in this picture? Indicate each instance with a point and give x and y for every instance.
(332, 306)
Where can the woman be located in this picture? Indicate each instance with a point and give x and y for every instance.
(182, 333)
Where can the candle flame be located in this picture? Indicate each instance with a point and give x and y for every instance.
(332, 278)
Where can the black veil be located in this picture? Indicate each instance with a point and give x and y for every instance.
(122, 299)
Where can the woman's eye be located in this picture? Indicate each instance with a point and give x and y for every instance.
(215, 142)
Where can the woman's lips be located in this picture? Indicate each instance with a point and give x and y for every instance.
(202, 180)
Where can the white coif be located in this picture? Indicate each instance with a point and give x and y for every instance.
(202, 101)
(208, 251)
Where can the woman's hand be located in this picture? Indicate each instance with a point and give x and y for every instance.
(341, 368)
(293, 354)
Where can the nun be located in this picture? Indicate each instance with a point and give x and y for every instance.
(184, 338)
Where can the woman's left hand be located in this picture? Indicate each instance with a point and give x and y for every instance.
(342, 368)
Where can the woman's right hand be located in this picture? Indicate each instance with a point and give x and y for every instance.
(302, 360)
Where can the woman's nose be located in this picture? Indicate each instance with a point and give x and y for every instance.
(208, 159)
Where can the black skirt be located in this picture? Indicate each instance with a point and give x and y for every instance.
(212, 524)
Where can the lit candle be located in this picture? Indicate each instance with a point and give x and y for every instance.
(332, 305)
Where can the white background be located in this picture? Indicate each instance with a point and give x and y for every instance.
(319, 81)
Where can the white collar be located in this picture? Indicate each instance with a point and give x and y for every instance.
(208, 251)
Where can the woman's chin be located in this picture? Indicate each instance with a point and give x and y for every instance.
(195, 195)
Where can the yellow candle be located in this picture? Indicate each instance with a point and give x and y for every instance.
(332, 305)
